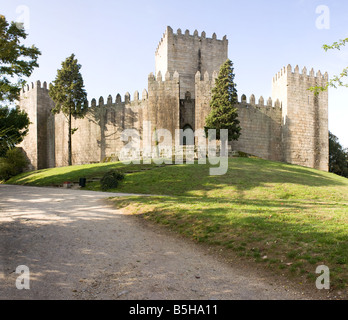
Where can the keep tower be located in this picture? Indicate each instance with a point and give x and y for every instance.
(187, 54)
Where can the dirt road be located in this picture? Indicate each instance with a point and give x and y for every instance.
(77, 246)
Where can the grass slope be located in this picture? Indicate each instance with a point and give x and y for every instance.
(288, 218)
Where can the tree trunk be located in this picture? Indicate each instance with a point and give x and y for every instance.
(70, 142)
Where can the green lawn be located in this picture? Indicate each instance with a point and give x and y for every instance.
(286, 218)
(57, 176)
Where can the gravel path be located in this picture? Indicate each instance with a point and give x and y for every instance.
(78, 247)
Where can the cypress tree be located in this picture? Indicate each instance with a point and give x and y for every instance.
(69, 95)
(224, 114)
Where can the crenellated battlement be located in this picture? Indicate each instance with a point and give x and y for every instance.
(166, 34)
(206, 77)
(210, 80)
(187, 53)
(303, 75)
(202, 36)
(118, 100)
(261, 102)
(168, 77)
(34, 85)
(169, 33)
(93, 103)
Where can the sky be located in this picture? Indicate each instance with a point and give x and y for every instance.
(115, 41)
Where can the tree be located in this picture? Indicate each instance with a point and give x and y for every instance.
(14, 126)
(16, 62)
(338, 163)
(338, 157)
(224, 114)
(12, 163)
(69, 95)
(337, 80)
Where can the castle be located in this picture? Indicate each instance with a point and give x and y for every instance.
(292, 126)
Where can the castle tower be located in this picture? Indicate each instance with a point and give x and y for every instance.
(304, 117)
(292, 126)
(39, 145)
(188, 54)
(163, 107)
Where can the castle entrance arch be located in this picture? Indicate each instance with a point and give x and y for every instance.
(187, 136)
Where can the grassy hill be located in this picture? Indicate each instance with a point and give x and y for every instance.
(286, 218)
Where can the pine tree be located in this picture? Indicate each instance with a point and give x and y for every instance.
(69, 95)
(224, 114)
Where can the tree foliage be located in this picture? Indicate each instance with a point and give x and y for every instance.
(337, 80)
(69, 95)
(12, 163)
(224, 114)
(111, 180)
(16, 62)
(14, 124)
(338, 163)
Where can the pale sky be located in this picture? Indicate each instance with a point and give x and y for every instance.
(115, 41)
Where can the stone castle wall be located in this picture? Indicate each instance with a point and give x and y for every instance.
(292, 126)
(261, 123)
(99, 133)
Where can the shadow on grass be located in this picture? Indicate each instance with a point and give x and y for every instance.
(270, 216)
(56, 176)
(243, 175)
(275, 228)
(45, 235)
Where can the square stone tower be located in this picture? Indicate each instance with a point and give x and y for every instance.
(39, 144)
(305, 132)
(188, 54)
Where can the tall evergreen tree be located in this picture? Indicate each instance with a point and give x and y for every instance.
(16, 62)
(224, 114)
(69, 95)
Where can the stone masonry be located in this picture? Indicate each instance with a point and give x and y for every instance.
(292, 126)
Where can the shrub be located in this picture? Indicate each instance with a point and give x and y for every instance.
(12, 164)
(111, 180)
(242, 154)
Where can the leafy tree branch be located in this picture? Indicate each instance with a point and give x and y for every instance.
(337, 80)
